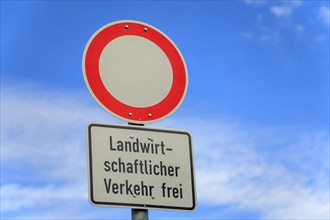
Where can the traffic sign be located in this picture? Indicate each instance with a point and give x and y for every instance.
(139, 167)
(134, 71)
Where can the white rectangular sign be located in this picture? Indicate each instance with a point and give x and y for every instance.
(140, 167)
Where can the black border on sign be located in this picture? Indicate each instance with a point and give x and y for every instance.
(134, 205)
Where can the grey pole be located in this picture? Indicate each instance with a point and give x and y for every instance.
(139, 214)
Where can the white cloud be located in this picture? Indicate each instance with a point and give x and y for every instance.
(325, 14)
(277, 173)
(263, 34)
(238, 174)
(285, 8)
(44, 128)
(43, 156)
(20, 197)
(281, 11)
(276, 32)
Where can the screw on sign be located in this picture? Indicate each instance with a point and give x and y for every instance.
(135, 72)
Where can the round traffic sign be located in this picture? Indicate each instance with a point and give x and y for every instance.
(134, 71)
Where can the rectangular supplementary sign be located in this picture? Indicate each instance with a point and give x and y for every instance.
(140, 167)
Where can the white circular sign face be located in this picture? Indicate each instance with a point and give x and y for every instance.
(135, 72)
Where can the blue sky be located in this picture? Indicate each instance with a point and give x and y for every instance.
(257, 105)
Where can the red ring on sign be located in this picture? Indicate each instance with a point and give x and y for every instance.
(129, 113)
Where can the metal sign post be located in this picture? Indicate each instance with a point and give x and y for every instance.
(140, 214)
